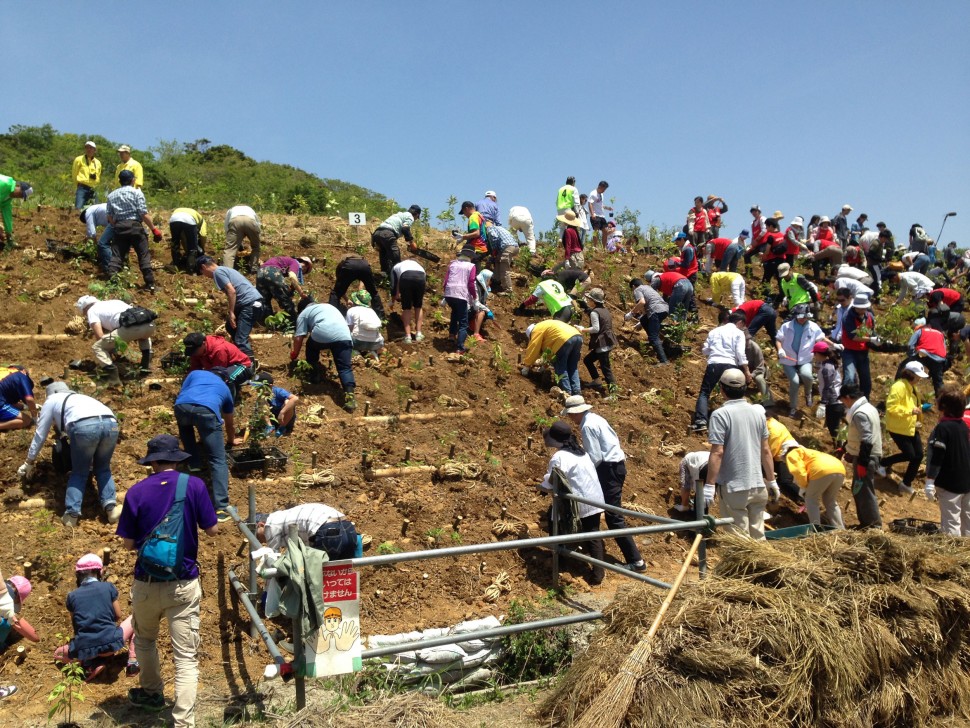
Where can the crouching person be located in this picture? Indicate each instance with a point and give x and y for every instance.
(318, 526)
(282, 406)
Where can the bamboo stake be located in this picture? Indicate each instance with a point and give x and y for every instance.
(375, 473)
(385, 419)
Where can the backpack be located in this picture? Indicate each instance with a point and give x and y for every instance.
(161, 554)
(136, 316)
(61, 454)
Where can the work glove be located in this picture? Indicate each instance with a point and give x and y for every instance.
(455, 234)
(25, 471)
(861, 471)
(801, 493)
(820, 412)
(875, 340)
(156, 235)
(838, 347)
(628, 316)
(774, 492)
(293, 355)
(524, 371)
(708, 494)
(930, 490)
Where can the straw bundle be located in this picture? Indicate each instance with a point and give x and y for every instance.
(843, 630)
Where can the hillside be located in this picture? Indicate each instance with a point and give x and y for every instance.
(196, 174)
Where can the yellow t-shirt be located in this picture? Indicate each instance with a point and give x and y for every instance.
(549, 334)
(87, 173)
(183, 214)
(134, 167)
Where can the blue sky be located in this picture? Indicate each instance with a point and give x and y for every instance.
(796, 106)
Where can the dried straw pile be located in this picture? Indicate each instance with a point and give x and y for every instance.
(855, 629)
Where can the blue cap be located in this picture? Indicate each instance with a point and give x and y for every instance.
(680, 236)
(126, 177)
(745, 233)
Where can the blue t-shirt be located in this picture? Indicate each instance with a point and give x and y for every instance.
(323, 323)
(93, 616)
(17, 385)
(278, 398)
(148, 501)
(246, 293)
(5, 628)
(204, 388)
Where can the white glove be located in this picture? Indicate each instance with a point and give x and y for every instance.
(25, 471)
(708, 494)
(524, 371)
(875, 340)
(820, 412)
(628, 316)
(930, 490)
(838, 347)
(801, 493)
(774, 492)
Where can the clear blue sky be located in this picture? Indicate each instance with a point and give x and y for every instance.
(797, 106)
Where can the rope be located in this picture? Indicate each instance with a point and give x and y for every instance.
(501, 584)
(320, 477)
(53, 292)
(76, 326)
(517, 527)
(454, 470)
(638, 508)
(445, 401)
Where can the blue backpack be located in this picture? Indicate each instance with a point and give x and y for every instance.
(161, 554)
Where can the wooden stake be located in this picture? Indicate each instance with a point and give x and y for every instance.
(404, 527)
(528, 442)
(366, 408)
(407, 407)
(407, 454)
(106, 556)
(313, 460)
(451, 452)
(40, 328)
(629, 438)
(28, 569)
(430, 361)
(363, 459)
(419, 416)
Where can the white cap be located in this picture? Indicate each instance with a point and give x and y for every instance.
(916, 368)
(490, 193)
(84, 301)
(91, 144)
(847, 207)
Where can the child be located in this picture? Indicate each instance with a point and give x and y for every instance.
(479, 309)
(693, 470)
(829, 383)
(601, 341)
(365, 325)
(282, 405)
(95, 613)
(19, 589)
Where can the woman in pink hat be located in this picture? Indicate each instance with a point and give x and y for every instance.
(16, 593)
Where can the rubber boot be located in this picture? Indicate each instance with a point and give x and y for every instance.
(109, 376)
(146, 363)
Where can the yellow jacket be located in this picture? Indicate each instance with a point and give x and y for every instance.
(808, 465)
(902, 400)
(134, 167)
(778, 435)
(721, 284)
(549, 334)
(196, 216)
(82, 170)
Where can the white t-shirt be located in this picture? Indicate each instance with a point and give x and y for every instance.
(595, 201)
(307, 517)
(364, 323)
(107, 313)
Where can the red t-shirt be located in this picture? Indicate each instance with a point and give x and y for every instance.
(668, 280)
(218, 352)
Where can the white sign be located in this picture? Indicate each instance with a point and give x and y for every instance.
(357, 218)
(334, 649)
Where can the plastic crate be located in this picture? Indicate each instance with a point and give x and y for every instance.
(806, 529)
(245, 460)
(914, 527)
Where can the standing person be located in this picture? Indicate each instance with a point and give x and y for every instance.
(602, 339)
(364, 325)
(278, 279)
(759, 371)
(93, 432)
(17, 393)
(724, 349)
(86, 173)
(819, 478)
(567, 198)
(740, 458)
(488, 207)
(460, 293)
(179, 601)
(215, 353)
(757, 236)
(353, 268)
(93, 217)
(189, 236)
(204, 404)
(948, 463)
(651, 309)
(104, 321)
(829, 384)
(408, 284)
(597, 218)
(794, 343)
(243, 301)
(698, 224)
(520, 221)
(864, 451)
(474, 235)
(127, 164)
(505, 249)
(775, 250)
(323, 327)
(716, 207)
(904, 416)
(726, 283)
(841, 224)
(385, 237)
(479, 309)
(564, 342)
(858, 332)
(127, 210)
(579, 477)
(11, 189)
(573, 256)
(603, 448)
(876, 246)
(241, 222)
(584, 227)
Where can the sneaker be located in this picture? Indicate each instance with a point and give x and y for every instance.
(419, 337)
(905, 489)
(478, 337)
(639, 567)
(881, 471)
(132, 668)
(69, 520)
(793, 413)
(144, 699)
(112, 511)
(407, 340)
(285, 646)
(7, 690)
(699, 427)
(222, 515)
(255, 364)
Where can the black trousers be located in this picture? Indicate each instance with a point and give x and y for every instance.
(349, 271)
(385, 240)
(185, 245)
(910, 452)
(130, 234)
(612, 477)
(603, 357)
(591, 524)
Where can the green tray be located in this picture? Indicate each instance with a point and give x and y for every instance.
(805, 529)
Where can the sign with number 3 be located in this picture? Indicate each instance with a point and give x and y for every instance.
(358, 218)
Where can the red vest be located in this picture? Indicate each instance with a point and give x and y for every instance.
(668, 280)
(692, 266)
(750, 310)
(720, 245)
(932, 342)
(773, 239)
(700, 220)
(793, 248)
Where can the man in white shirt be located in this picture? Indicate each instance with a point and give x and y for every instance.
(242, 222)
(104, 321)
(92, 430)
(318, 526)
(910, 283)
(597, 218)
(857, 288)
(520, 221)
(724, 349)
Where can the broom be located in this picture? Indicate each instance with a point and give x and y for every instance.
(610, 706)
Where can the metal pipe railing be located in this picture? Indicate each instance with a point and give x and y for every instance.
(612, 567)
(250, 536)
(243, 595)
(620, 510)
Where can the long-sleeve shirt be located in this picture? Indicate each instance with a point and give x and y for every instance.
(78, 407)
(600, 441)
(725, 345)
(691, 466)
(913, 283)
(217, 352)
(829, 382)
(7, 186)
(95, 216)
(126, 203)
(580, 474)
(948, 455)
(460, 281)
(549, 334)
(86, 171)
(855, 287)
(240, 211)
(903, 409)
(308, 519)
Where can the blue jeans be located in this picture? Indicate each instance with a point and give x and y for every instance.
(921, 263)
(566, 364)
(767, 318)
(681, 300)
(338, 539)
(458, 326)
(84, 195)
(93, 443)
(855, 369)
(342, 352)
(245, 318)
(192, 417)
(802, 374)
(651, 324)
(104, 247)
(730, 260)
(712, 375)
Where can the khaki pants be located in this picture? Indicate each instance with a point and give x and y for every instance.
(824, 490)
(503, 269)
(576, 261)
(523, 224)
(179, 603)
(747, 508)
(104, 346)
(954, 512)
(239, 228)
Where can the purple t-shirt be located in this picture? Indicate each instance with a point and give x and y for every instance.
(148, 501)
(284, 262)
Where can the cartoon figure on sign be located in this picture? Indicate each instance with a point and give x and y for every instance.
(337, 633)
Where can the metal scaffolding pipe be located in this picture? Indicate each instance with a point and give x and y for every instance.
(613, 567)
(254, 617)
(622, 511)
(250, 536)
(482, 634)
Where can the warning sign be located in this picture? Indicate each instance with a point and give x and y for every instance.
(335, 648)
